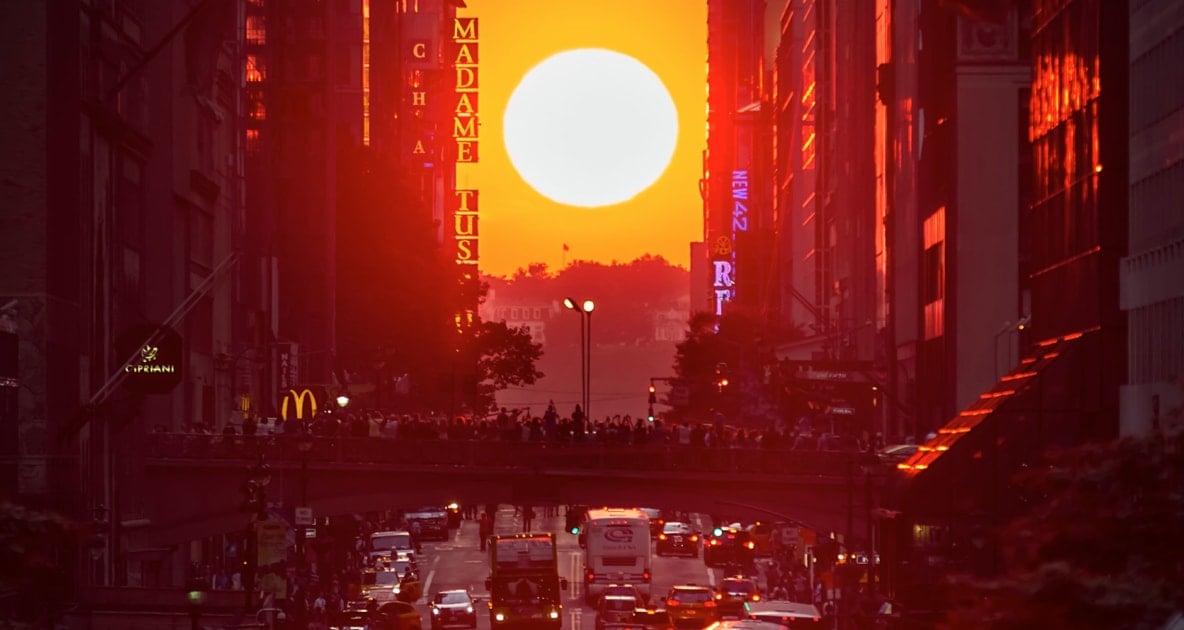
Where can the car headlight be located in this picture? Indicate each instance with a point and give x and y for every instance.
(435, 611)
(499, 616)
(554, 614)
(468, 609)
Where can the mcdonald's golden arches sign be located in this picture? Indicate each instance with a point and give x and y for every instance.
(300, 403)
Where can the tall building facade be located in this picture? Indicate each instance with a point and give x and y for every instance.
(131, 216)
(823, 103)
(292, 121)
(1064, 389)
(737, 206)
(1074, 230)
(1151, 293)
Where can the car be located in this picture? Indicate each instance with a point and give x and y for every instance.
(647, 619)
(358, 620)
(732, 593)
(728, 545)
(403, 616)
(453, 607)
(432, 520)
(747, 624)
(677, 538)
(454, 515)
(656, 521)
(615, 609)
(691, 605)
(761, 534)
(625, 590)
(385, 543)
(794, 615)
(896, 453)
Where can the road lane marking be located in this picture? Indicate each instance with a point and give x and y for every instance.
(711, 577)
(575, 576)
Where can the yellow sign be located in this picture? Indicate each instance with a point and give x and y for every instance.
(270, 536)
(294, 399)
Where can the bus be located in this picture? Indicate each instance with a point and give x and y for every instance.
(524, 585)
(616, 550)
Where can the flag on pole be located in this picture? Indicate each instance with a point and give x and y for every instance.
(566, 248)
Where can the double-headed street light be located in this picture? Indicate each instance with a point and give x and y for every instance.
(584, 308)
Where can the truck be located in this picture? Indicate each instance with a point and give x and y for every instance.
(617, 550)
(525, 589)
(433, 522)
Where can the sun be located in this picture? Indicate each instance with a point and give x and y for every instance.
(590, 127)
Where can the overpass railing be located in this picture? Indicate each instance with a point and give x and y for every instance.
(501, 455)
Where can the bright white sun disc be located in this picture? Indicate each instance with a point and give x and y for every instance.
(590, 127)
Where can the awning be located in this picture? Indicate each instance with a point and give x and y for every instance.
(973, 454)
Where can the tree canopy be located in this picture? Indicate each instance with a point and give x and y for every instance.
(1100, 547)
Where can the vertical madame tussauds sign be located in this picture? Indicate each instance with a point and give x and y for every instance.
(464, 224)
(466, 135)
(465, 121)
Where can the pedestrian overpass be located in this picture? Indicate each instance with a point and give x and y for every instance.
(194, 483)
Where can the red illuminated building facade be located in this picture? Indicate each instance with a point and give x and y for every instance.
(737, 208)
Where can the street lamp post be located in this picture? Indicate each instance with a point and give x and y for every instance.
(584, 309)
(304, 444)
(256, 504)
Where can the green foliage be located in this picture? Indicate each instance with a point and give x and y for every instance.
(1100, 547)
(505, 358)
(735, 352)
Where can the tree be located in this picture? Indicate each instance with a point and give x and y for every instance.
(723, 366)
(505, 358)
(1099, 548)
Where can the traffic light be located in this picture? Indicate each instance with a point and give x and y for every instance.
(572, 518)
(254, 498)
(653, 396)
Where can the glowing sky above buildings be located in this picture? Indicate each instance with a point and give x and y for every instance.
(519, 225)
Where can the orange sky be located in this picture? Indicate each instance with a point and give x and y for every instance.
(518, 225)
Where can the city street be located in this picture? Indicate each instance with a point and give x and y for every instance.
(459, 564)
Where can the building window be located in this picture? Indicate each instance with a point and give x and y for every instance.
(256, 69)
(253, 142)
(256, 30)
(201, 237)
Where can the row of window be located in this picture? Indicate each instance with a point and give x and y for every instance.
(1155, 335)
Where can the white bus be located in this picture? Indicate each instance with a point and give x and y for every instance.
(616, 550)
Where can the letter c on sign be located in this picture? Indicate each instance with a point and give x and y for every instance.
(618, 534)
(419, 51)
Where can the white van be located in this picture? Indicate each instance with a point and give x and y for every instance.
(389, 543)
(616, 551)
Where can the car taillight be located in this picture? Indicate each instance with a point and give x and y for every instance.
(709, 604)
(671, 602)
(661, 536)
(719, 595)
(694, 538)
(750, 545)
(756, 597)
